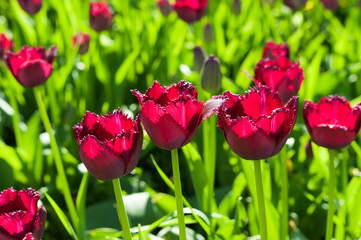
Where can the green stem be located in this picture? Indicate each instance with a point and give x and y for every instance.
(284, 192)
(122, 214)
(178, 195)
(57, 158)
(15, 118)
(331, 188)
(260, 198)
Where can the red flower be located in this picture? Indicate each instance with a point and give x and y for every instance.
(190, 10)
(330, 4)
(256, 125)
(5, 45)
(101, 17)
(31, 66)
(171, 116)
(20, 218)
(332, 123)
(109, 145)
(165, 7)
(81, 39)
(31, 6)
(272, 50)
(280, 75)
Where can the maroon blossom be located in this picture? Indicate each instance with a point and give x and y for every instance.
(272, 50)
(165, 7)
(256, 125)
(20, 217)
(31, 6)
(81, 39)
(330, 4)
(5, 45)
(332, 123)
(190, 10)
(171, 116)
(109, 145)
(295, 4)
(101, 17)
(31, 66)
(280, 75)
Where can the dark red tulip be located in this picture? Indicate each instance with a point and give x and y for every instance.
(31, 66)
(20, 217)
(101, 17)
(256, 125)
(295, 4)
(5, 45)
(171, 116)
(330, 4)
(272, 50)
(280, 75)
(81, 39)
(332, 123)
(165, 7)
(31, 6)
(109, 145)
(190, 10)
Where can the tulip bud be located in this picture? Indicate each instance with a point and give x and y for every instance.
(199, 55)
(295, 4)
(211, 76)
(236, 7)
(208, 33)
(30, 6)
(165, 7)
(101, 17)
(5, 45)
(330, 4)
(81, 39)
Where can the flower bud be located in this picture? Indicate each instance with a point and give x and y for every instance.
(211, 76)
(330, 4)
(5, 45)
(165, 7)
(81, 39)
(208, 33)
(236, 7)
(295, 4)
(101, 17)
(199, 55)
(31, 6)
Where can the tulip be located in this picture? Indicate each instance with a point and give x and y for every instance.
(330, 4)
(211, 76)
(273, 51)
(236, 7)
(256, 125)
(101, 17)
(280, 75)
(31, 66)
(332, 123)
(171, 116)
(81, 39)
(208, 33)
(295, 4)
(5, 45)
(20, 217)
(109, 145)
(190, 10)
(165, 7)
(199, 56)
(31, 6)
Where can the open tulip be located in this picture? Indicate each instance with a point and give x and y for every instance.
(190, 10)
(332, 123)
(81, 39)
(5, 45)
(256, 125)
(109, 145)
(171, 116)
(20, 217)
(31, 6)
(280, 75)
(272, 50)
(101, 17)
(31, 66)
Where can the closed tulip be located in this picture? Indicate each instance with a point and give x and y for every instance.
(101, 17)
(5, 45)
(190, 10)
(330, 4)
(165, 7)
(295, 4)
(31, 6)
(81, 40)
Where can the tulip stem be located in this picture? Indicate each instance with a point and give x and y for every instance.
(178, 194)
(260, 198)
(57, 158)
(331, 188)
(284, 192)
(122, 214)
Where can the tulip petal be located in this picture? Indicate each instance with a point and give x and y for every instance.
(211, 106)
(29, 199)
(7, 197)
(332, 137)
(17, 224)
(115, 123)
(34, 73)
(39, 224)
